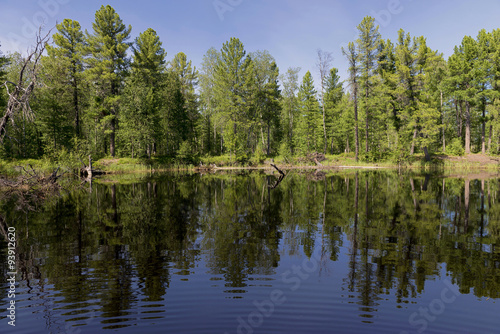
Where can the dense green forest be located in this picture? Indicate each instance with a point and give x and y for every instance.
(99, 93)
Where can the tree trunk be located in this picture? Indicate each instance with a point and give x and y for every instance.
(324, 129)
(489, 138)
(412, 150)
(444, 128)
(427, 156)
(483, 129)
(467, 127)
(356, 132)
(458, 118)
(366, 134)
(75, 102)
(268, 137)
(112, 136)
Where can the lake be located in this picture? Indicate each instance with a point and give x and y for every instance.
(238, 252)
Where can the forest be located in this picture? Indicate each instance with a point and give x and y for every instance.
(98, 93)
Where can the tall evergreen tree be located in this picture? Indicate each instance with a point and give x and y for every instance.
(234, 75)
(407, 71)
(332, 99)
(69, 52)
(267, 96)
(289, 108)
(484, 80)
(354, 70)
(323, 65)
(142, 94)
(188, 78)
(309, 136)
(107, 66)
(464, 81)
(368, 46)
(208, 105)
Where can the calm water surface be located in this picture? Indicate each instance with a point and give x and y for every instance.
(357, 252)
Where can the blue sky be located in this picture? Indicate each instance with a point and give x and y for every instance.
(291, 30)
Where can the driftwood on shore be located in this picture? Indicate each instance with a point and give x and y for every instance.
(88, 172)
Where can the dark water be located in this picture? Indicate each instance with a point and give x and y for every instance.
(358, 252)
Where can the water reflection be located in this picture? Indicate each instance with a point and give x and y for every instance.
(146, 251)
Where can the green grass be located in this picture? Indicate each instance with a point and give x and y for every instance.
(13, 167)
(142, 165)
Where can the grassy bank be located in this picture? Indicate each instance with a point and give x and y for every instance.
(128, 165)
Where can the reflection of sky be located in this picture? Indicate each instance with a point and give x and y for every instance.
(291, 30)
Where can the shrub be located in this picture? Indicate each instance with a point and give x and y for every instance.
(455, 147)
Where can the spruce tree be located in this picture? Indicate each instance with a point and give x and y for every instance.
(142, 94)
(289, 110)
(332, 98)
(464, 81)
(234, 76)
(368, 46)
(209, 127)
(188, 78)
(309, 134)
(354, 70)
(267, 104)
(107, 65)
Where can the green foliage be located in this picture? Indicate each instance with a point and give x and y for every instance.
(107, 67)
(308, 133)
(234, 80)
(92, 99)
(186, 154)
(455, 147)
(140, 116)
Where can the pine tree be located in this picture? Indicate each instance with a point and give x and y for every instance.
(368, 46)
(332, 98)
(309, 135)
(407, 89)
(289, 110)
(56, 119)
(484, 80)
(107, 66)
(428, 112)
(354, 70)
(267, 96)
(208, 106)
(387, 93)
(323, 65)
(142, 94)
(69, 52)
(188, 78)
(463, 80)
(234, 73)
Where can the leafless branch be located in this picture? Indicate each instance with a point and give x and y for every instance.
(19, 97)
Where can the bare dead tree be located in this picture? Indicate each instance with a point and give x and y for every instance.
(20, 92)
